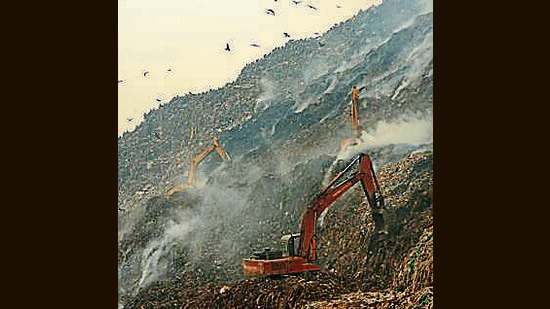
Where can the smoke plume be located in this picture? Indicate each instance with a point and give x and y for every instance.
(412, 130)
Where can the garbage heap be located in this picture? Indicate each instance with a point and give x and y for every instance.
(359, 268)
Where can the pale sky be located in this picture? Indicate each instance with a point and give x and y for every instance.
(188, 38)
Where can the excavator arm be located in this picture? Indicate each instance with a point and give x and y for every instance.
(355, 125)
(220, 150)
(198, 158)
(355, 122)
(364, 174)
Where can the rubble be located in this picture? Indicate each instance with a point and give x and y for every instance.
(359, 270)
(281, 149)
(387, 299)
(416, 269)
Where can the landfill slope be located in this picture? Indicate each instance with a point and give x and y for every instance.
(281, 122)
(359, 269)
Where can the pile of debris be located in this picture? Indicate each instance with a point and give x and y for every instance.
(290, 106)
(386, 299)
(416, 268)
(292, 292)
(348, 246)
(359, 269)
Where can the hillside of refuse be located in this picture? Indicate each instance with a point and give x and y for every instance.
(281, 123)
(391, 271)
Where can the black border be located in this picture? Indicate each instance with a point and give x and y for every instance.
(60, 120)
(61, 124)
(484, 214)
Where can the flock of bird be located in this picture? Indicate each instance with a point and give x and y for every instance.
(228, 48)
(272, 12)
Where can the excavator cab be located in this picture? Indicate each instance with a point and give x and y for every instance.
(267, 254)
(289, 244)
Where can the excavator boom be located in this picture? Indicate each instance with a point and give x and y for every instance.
(355, 122)
(196, 160)
(355, 125)
(364, 174)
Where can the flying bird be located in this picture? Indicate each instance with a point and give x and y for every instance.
(338, 6)
(227, 47)
(169, 70)
(270, 12)
(296, 2)
(120, 81)
(255, 45)
(158, 100)
(145, 73)
(129, 119)
(286, 35)
(312, 7)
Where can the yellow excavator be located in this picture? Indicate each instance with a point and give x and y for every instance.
(355, 123)
(215, 145)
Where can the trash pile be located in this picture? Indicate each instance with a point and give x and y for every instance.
(347, 245)
(393, 270)
(281, 122)
(386, 299)
(151, 158)
(416, 269)
(292, 292)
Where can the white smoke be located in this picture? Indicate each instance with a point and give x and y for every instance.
(412, 130)
(418, 59)
(222, 204)
(302, 105)
(269, 91)
(316, 68)
(333, 82)
(153, 261)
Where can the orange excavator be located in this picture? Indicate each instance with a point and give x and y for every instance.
(355, 123)
(196, 160)
(298, 252)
